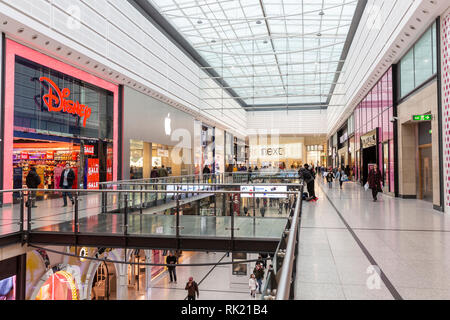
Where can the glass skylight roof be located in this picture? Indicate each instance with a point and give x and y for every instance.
(270, 52)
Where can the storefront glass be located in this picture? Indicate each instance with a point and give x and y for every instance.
(419, 64)
(375, 112)
(60, 120)
(208, 147)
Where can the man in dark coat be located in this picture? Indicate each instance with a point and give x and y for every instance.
(154, 173)
(375, 180)
(307, 176)
(172, 260)
(192, 288)
(66, 183)
(33, 182)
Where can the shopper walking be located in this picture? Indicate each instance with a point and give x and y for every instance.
(330, 177)
(33, 181)
(262, 210)
(206, 173)
(162, 172)
(66, 183)
(259, 275)
(192, 288)
(172, 260)
(252, 285)
(154, 173)
(374, 181)
(340, 176)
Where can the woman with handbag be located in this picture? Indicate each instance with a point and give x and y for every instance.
(374, 180)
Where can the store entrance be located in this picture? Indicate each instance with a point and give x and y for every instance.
(425, 174)
(49, 158)
(91, 161)
(369, 156)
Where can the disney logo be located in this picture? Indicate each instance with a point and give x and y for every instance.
(56, 101)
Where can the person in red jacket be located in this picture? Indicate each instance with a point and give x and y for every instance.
(375, 179)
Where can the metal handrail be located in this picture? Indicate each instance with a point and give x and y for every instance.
(284, 284)
(150, 191)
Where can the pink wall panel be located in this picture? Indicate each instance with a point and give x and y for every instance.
(445, 54)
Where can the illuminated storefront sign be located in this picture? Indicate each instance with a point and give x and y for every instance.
(369, 140)
(56, 101)
(274, 152)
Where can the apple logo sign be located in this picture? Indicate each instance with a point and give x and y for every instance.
(167, 125)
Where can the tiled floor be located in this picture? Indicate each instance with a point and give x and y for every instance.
(407, 239)
(215, 282)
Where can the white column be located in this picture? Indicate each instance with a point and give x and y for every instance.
(148, 273)
(122, 277)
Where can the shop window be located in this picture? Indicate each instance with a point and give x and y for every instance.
(389, 88)
(420, 63)
(385, 129)
(407, 73)
(31, 112)
(391, 124)
(434, 47)
(423, 60)
(391, 166)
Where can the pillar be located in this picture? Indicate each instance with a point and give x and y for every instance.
(122, 278)
(148, 274)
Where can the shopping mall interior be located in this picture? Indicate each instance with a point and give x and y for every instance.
(247, 150)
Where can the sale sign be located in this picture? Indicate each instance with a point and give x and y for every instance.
(93, 174)
(89, 150)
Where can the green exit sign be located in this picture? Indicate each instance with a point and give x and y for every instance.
(423, 117)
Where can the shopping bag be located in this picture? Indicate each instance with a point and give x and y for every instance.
(366, 186)
(344, 178)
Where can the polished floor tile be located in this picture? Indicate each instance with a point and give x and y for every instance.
(407, 239)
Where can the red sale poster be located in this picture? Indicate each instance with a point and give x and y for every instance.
(109, 165)
(89, 150)
(93, 176)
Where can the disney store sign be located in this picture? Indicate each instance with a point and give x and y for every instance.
(57, 100)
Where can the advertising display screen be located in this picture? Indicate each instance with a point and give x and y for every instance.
(251, 189)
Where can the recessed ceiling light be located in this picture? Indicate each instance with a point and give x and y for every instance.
(34, 37)
(199, 21)
(321, 13)
(213, 41)
(319, 34)
(5, 22)
(59, 48)
(20, 30)
(265, 41)
(258, 22)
